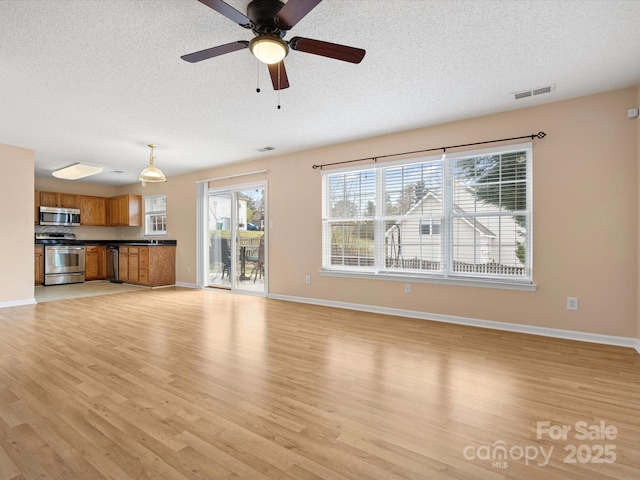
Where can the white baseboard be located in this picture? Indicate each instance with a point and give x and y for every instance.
(18, 303)
(474, 322)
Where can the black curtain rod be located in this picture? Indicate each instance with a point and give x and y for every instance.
(444, 149)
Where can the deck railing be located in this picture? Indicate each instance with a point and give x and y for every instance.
(490, 268)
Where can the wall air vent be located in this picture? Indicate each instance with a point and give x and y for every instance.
(266, 149)
(533, 92)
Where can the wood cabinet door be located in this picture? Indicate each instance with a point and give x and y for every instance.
(92, 263)
(134, 210)
(143, 265)
(68, 200)
(134, 265)
(123, 264)
(48, 199)
(114, 212)
(38, 261)
(93, 210)
(102, 262)
(123, 210)
(36, 204)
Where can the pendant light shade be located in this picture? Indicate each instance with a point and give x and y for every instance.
(152, 174)
(268, 49)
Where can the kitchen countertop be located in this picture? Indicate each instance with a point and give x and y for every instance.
(124, 243)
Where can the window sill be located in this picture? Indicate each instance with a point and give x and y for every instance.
(458, 281)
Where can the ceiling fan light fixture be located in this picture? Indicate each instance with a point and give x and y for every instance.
(269, 49)
(76, 171)
(152, 174)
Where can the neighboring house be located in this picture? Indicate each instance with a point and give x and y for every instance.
(220, 212)
(418, 234)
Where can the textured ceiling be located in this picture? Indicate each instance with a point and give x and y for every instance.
(96, 81)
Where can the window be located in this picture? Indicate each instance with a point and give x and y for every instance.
(155, 215)
(466, 215)
(429, 227)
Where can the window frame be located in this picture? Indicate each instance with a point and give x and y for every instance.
(153, 213)
(446, 275)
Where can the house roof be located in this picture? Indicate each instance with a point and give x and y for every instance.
(478, 226)
(95, 82)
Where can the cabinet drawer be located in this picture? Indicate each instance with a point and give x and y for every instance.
(91, 249)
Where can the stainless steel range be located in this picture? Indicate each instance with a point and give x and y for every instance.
(63, 261)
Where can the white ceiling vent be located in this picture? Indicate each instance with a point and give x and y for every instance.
(534, 91)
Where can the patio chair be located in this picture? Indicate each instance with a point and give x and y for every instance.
(259, 266)
(225, 256)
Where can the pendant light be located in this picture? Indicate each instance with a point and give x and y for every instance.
(152, 174)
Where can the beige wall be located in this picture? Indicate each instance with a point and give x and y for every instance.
(586, 236)
(16, 239)
(585, 219)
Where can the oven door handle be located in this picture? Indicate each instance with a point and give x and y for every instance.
(66, 248)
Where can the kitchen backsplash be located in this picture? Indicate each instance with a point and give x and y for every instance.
(52, 229)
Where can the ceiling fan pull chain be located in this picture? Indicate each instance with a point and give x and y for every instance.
(279, 84)
(258, 69)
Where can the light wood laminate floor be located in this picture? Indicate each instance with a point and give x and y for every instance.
(77, 290)
(200, 384)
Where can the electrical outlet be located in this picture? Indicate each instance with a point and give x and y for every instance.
(188, 269)
(407, 288)
(307, 279)
(572, 303)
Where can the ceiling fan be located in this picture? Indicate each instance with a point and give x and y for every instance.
(270, 20)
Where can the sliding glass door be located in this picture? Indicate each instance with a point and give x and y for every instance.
(236, 237)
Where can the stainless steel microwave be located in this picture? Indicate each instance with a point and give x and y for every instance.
(69, 217)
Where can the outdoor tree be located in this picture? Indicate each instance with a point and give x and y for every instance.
(498, 180)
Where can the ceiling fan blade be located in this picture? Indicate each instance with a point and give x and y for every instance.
(294, 11)
(278, 76)
(228, 11)
(326, 49)
(215, 51)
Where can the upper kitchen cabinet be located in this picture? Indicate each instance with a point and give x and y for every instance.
(64, 200)
(93, 211)
(125, 211)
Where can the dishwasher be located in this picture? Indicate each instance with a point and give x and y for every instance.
(112, 264)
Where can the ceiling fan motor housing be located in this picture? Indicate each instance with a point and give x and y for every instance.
(262, 14)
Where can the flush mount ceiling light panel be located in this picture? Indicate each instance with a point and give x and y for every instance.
(270, 21)
(76, 171)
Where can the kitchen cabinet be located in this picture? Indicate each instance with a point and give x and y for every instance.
(125, 211)
(152, 266)
(55, 199)
(36, 205)
(38, 265)
(93, 211)
(95, 262)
